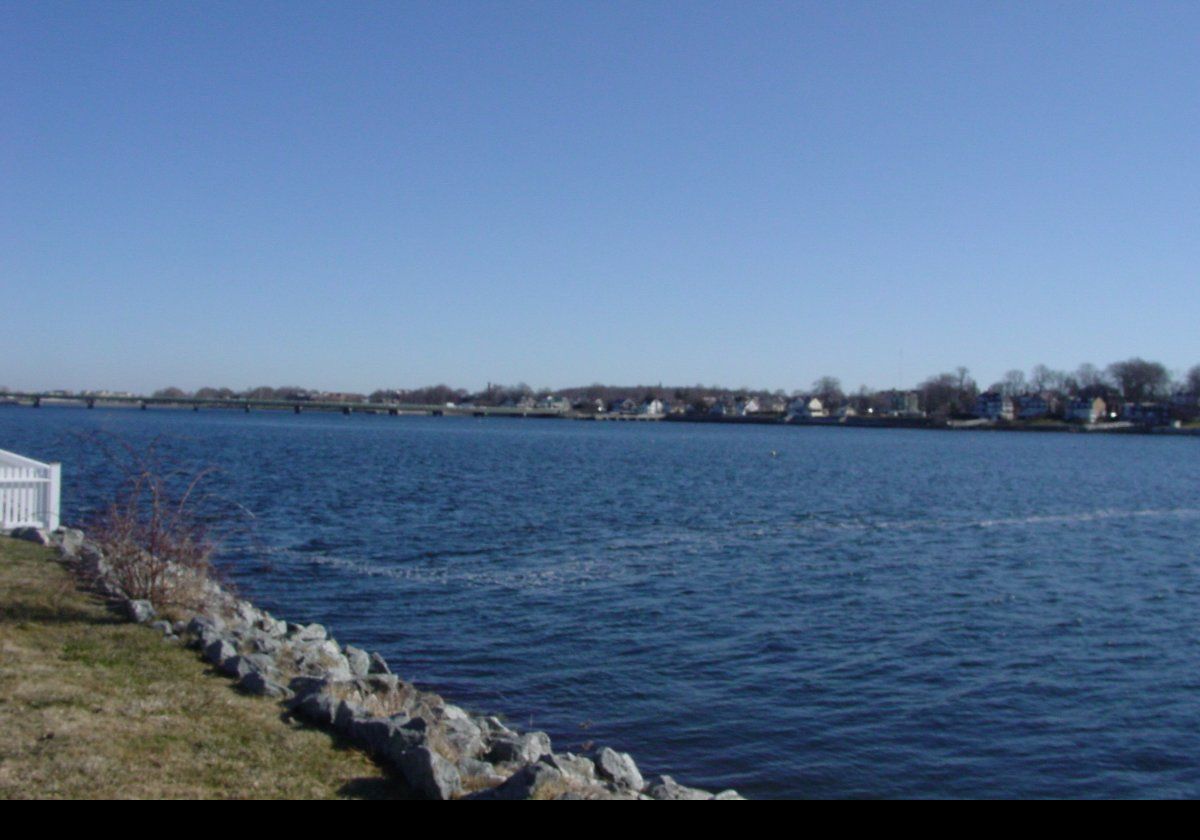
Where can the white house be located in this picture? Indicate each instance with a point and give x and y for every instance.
(750, 406)
(1089, 411)
(554, 403)
(905, 404)
(652, 408)
(992, 405)
(807, 407)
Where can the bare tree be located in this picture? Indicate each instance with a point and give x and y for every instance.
(1140, 380)
(1013, 382)
(829, 390)
(1088, 375)
(1192, 381)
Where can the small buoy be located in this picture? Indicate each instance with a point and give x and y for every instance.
(774, 453)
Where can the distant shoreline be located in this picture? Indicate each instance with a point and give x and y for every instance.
(299, 407)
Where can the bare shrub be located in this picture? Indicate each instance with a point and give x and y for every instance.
(152, 535)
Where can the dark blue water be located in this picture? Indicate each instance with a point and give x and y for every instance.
(870, 613)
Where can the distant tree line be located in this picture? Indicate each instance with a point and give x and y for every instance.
(941, 395)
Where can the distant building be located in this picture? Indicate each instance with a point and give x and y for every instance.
(750, 406)
(807, 407)
(625, 406)
(992, 405)
(1034, 407)
(846, 411)
(552, 403)
(1185, 405)
(1088, 411)
(1147, 414)
(906, 404)
(653, 408)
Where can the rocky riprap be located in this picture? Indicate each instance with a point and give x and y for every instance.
(439, 749)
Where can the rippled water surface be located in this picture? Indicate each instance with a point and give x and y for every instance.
(865, 613)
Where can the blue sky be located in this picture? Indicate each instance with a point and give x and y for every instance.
(352, 195)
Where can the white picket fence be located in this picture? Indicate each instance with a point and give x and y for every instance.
(29, 492)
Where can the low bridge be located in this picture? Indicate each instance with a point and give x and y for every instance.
(296, 406)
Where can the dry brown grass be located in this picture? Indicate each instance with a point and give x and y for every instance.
(92, 707)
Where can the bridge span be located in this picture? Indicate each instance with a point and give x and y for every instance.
(296, 406)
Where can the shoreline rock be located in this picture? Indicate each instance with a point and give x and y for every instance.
(440, 750)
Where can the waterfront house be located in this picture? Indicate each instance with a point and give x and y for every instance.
(652, 408)
(1147, 414)
(743, 408)
(625, 406)
(905, 404)
(1185, 405)
(1034, 407)
(553, 403)
(846, 411)
(807, 407)
(1085, 410)
(992, 405)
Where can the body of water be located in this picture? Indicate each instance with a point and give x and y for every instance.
(787, 611)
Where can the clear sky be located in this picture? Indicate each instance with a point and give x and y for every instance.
(360, 195)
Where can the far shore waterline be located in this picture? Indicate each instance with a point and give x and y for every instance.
(86, 401)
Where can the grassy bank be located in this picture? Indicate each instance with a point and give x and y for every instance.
(91, 706)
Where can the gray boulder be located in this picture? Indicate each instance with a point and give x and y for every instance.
(380, 683)
(666, 788)
(403, 739)
(240, 665)
(271, 626)
(319, 709)
(358, 660)
(374, 734)
(519, 749)
(205, 630)
(324, 658)
(619, 768)
(163, 627)
(429, 774)
(302, 687)
(483, 773)
(34, 535)
(140, 611)
(69, 541)
(493, 726)
(246, 613)
(533, 781)
(379, 665)
(268, 645)
(308, 632)
(218, 651)
(261, 684)
(575, 767)
(462, 736)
